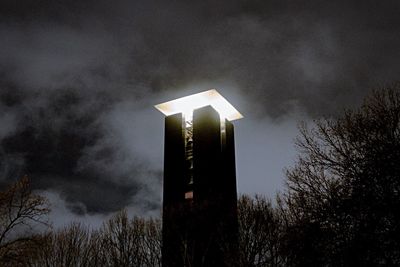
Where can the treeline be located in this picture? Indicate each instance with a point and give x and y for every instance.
(340, 207)
(120, 241)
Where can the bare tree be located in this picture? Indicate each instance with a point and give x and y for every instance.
(135, 242)
(343, 193)
(20, 211)
(70, 246)
(119, 242)
(152, 242)
(260, 229)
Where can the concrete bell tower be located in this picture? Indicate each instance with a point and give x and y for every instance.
(200, 225)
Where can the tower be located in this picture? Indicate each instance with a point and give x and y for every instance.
(199, 190)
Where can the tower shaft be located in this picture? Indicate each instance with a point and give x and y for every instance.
(200, 200)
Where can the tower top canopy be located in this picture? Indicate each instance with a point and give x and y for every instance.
(187, 104)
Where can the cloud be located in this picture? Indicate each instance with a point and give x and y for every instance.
(61, 213)
(8, 125)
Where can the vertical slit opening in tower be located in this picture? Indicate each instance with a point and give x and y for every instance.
(188, 134)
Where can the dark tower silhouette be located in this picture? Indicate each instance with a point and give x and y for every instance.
(200, 201)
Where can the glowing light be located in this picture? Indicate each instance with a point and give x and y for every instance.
(187, 104)
(189, 195)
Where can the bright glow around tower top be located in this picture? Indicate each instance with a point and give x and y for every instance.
(187, 104)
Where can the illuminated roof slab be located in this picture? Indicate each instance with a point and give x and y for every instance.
(187, 104)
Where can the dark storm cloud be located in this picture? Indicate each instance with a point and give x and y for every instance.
(308, 52)
(78, 79)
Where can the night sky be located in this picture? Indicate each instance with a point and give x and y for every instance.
(79, 79)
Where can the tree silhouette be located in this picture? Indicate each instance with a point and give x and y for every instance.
(20, 210)
(343, 194)
(260, 232)
(71, 246)
(119, 242)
